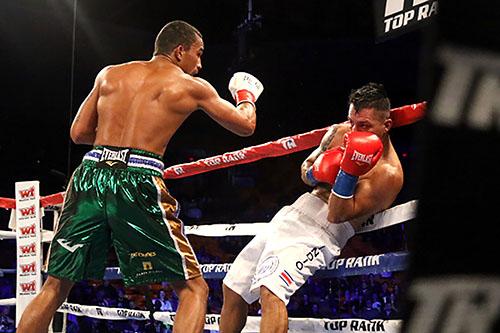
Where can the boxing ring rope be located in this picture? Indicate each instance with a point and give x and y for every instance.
(388, 217)
(401, 116)
(253, 322)
(340, 267)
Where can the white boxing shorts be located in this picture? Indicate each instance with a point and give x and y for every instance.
(298, 241)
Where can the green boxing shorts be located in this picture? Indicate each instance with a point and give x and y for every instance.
(118, 197)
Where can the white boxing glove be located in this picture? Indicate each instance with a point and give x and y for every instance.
(245, 87)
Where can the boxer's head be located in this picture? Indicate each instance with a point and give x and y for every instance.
(183, 43)
(369, 109)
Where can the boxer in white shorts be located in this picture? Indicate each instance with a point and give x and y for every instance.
(291, 249)
(355, 172)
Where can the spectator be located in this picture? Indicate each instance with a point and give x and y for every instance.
(72, 324)
(368, 312)
(108, 290)
(389, 312)
(376, 304)
(134, 326)
(121, 300)
(7, 324)
(163, 303)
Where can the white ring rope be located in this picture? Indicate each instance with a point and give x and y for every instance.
(253, 322)
(212, 320)
(395, 215)
(8, 301)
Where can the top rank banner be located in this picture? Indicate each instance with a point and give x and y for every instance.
(396, 17)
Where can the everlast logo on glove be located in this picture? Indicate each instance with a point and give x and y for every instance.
(116, 159)
(363, 158)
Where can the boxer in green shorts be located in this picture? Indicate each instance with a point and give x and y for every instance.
(117, 196)
(102, 208)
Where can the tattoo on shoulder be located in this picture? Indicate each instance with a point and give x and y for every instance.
(328, 138)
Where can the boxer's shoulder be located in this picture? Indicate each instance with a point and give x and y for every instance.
(335, 135)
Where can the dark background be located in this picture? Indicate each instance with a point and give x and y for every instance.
(308, 57)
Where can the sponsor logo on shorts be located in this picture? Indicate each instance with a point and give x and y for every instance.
(267, 267)
(116, 159)
(111, 163)
(142, 254)
(148, 273)
(147, 265)
(310, 256)
(286, 277)
(71, 248)
(111, 155)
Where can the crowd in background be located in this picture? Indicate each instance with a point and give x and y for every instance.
(374, 296)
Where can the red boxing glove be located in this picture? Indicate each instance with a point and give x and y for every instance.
(362, 152)
(326, 167)
(408, 114)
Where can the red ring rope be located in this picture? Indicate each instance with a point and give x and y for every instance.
(401, 116)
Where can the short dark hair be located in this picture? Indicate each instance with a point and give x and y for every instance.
(371, 95)
(173, 34)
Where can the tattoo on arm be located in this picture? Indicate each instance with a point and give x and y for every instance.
(327, 139)
(323, 146)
